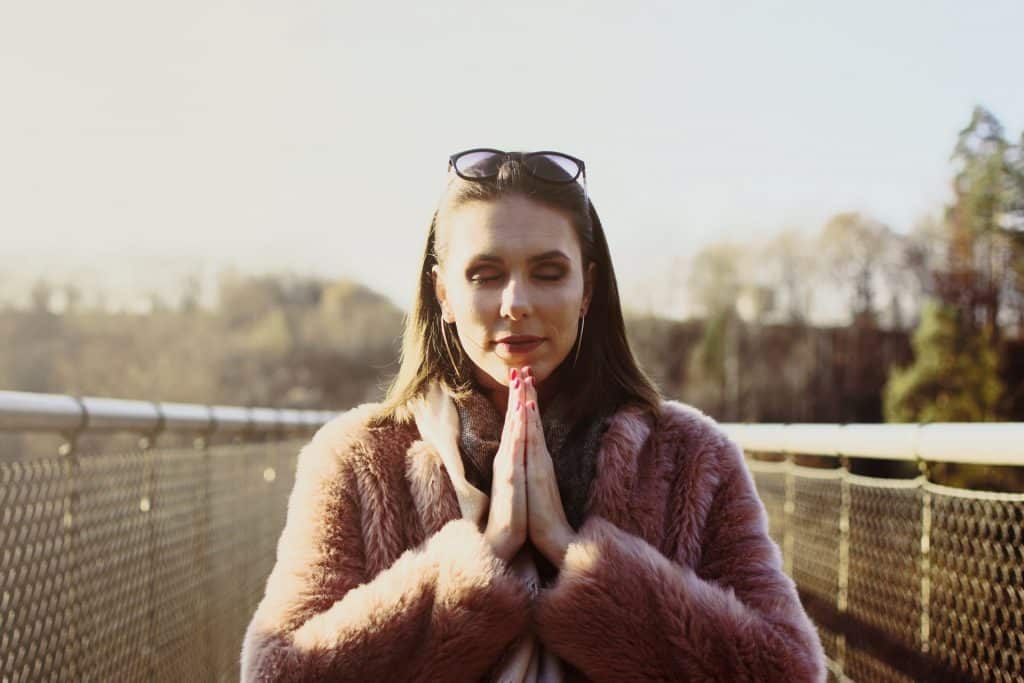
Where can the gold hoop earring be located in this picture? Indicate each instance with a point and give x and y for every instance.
(579, 345)
(444, 338)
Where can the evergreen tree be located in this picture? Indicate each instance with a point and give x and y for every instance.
(954, 376)
(983, 274)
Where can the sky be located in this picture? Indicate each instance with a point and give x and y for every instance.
(144, 142)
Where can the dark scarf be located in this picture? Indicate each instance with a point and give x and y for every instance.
(573, 449)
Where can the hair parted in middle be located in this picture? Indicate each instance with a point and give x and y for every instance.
(606, 372)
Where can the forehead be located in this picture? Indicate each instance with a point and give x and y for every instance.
(512, 227)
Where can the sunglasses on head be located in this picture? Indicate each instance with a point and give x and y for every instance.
(551, 167)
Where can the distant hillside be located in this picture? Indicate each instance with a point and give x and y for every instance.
(270, 340)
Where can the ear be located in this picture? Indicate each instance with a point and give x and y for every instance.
(441, 292)
(588, 287)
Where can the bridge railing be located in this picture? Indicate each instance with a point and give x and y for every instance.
(906, 579)
(138, 562)
(146, 560)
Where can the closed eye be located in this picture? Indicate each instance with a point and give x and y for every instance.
(484, 275)
(550, 276)
(546, 276)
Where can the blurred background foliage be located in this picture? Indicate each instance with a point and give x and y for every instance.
(272, 340)
(934, 325)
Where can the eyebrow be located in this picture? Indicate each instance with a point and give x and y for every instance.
(554, 253)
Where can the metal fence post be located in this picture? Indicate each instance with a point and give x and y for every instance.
(69, 451)
(925, 559)
(788, 509)
(202, 443)
(843, 570)
(72, 501)
(146, 506)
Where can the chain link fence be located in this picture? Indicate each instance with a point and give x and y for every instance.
(906, 580)
(136, 546)
(146, 562)
(137, 565)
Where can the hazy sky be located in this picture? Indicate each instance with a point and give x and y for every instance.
(140, 141)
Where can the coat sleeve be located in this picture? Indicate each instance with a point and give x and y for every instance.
(442, 611)
(621, 610)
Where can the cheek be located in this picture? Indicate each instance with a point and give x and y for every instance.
(475, 308)
(482, 305)
(565, 300)
(562, 310)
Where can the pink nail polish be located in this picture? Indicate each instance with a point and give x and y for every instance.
(513, 373)
(515, 385)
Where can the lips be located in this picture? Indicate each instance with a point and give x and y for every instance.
(519, 339)
(518, 344)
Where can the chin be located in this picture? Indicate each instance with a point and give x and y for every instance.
(498, 372)
(541, 370)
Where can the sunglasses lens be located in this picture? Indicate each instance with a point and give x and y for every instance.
(554, 168)
(479, 164)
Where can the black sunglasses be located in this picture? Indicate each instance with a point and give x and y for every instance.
(551, 167)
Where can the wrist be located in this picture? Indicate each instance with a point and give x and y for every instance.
(498, 547)
(556, 545)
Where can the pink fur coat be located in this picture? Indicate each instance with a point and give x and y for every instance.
(672, 577)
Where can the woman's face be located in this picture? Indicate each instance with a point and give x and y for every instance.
(512, 281)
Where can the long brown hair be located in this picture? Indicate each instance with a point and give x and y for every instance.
(606, 374)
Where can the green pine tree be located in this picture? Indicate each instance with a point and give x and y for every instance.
(954, 376)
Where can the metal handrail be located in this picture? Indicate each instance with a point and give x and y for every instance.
(978, 443)
(27, 411)
(974, 443)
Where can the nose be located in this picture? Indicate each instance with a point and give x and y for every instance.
(515, 301)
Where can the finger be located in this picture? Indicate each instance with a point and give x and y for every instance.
(505, 459)
(514, 399)
(513, 376)
(521, 436)
(532, 405)
(534, 434)
(520, 491)
(527, 397)
(516, 424)
(510, 408)
(531, 389)
(502, 463)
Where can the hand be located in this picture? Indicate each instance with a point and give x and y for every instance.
(507, 518)
(549, 528)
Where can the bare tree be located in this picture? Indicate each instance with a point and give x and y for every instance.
(863, 255)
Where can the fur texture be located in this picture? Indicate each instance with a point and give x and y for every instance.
(672, 576)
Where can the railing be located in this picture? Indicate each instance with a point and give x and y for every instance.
(905, 579)
(142, 562)
(146, 561)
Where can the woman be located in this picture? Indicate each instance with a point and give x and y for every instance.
(523, 506)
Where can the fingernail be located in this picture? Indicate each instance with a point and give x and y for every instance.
(515, 385)
(513, 373)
